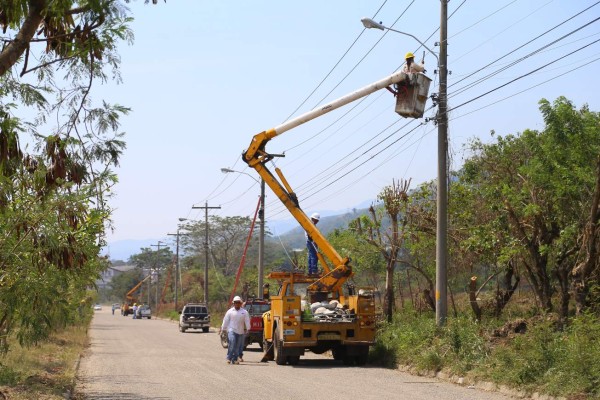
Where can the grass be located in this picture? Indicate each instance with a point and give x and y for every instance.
(46, 371)
(545, 359)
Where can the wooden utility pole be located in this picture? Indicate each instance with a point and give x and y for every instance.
(206, 208)
(441, 275)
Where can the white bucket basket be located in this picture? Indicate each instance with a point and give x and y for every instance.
(412, 95)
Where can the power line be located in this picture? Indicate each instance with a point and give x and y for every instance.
(520, 77)
(526, 43)
(335, 66)
(472, 84)
(482, 19)
(363, 57)
(524, 90)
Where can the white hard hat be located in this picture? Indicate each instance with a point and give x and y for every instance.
(316, 216)
(237, 298)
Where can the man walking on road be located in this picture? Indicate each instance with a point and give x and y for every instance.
(236, 323)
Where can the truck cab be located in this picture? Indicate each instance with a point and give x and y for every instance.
(256, 308)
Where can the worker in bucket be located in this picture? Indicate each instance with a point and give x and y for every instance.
(411, 66)
(236, 323)
(312, 248)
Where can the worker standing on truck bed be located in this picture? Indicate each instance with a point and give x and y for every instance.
(312, 248)
(237, 323)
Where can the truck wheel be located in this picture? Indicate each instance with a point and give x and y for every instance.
(348, 360)
(362, 357)
(278, 352)
(149, 317)
(339, 353)
(205, 329)
(224, 342)
(182, 330)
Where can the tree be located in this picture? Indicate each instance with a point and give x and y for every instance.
(543, 188)
(54, 199)
(227, 237)
(367, 262)
(395, 202)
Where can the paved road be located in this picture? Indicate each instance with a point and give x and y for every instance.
(149, 359)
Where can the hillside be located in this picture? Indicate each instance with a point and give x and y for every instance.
(294, 238)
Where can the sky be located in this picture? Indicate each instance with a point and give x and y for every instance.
(203, 77)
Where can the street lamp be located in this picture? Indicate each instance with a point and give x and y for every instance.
(261, 236)
(369, 24)
(441, 295)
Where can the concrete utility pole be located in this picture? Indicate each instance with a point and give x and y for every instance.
(177, 264)
(157, 275)
(441, 275)
(261, 240)
(205, 207)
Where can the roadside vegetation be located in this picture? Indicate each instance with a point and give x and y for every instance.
(45, 371)
(530, 354)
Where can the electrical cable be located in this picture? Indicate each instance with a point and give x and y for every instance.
(526, 43)
(504, 30)
(335, 66)
(363, 57)
(520, 77)
(481, 20)
(524, 90)
(470, 85)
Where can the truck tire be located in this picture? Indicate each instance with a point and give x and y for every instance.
(348, 360)
(278, 351)
(182, 330)
(361, 359)
(205, 329)
(339, 352)
(363, 355)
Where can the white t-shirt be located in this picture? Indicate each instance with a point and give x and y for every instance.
(414, 68)
(237, 321)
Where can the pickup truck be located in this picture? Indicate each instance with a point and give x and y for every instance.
(194, 316)
(144, 311)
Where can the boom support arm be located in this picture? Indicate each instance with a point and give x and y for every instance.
(136, 287)
(256, 157)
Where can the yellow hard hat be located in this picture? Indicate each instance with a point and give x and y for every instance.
(409, 55)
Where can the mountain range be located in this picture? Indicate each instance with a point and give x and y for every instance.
(287, 230)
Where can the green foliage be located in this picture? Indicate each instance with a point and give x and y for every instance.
(545, 358)
(560, 362)
(9, 376)
(366, 260)
(53, 198)
(414, 340)
(122, 283)
(525, 199)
